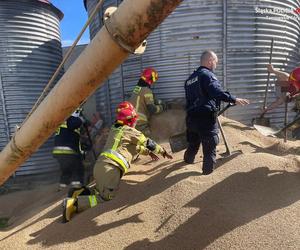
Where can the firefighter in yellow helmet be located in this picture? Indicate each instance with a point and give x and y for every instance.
(123, 144)
(144, 102)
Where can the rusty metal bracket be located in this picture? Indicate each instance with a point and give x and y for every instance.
(118, 38)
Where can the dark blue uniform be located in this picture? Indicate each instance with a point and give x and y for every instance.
(203, 98)
(67, 151)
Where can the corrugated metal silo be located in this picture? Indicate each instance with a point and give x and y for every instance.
(111, 92)
(30, 50)
(248, 40)
(235, 30)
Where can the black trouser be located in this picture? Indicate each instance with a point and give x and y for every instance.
(71, 168)
(202, 129)
(209, 144)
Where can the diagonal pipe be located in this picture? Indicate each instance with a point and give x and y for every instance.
(125, 31)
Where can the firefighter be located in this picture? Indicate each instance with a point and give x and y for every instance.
(144, 102)
(288, 86)
(296, 108)
(294, 79)
(123, 144)
(67, 151)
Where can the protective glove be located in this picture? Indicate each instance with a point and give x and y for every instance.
(166, 155)
(289, 97)
(85, 122)
(162, 103)
(157, 102)
(153, 156)
(86, 145)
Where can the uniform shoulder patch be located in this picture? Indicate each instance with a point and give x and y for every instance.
(137, 90)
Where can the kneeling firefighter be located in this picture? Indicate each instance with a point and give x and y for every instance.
(123, 144)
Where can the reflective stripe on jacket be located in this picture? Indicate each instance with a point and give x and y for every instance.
(142, 98)
(123, 144)
(63, 150)
(68, 136)
(118, 158)
(64, 125)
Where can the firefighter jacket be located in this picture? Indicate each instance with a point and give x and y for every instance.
(124, 143)
(67, 138)
(144, 102)
(297, 104)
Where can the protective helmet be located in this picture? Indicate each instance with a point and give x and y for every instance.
(126, 105)
(149, 75)
(294, 78)
(77, 112)
(127, 116)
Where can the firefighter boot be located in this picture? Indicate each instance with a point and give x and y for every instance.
(69, 208)
(75, 192)
(85, 202)
(77, 203)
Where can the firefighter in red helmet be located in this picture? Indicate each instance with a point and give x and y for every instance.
(125, 104)
(287, 84)
(294, 78)
(123, 144)
(144, 101)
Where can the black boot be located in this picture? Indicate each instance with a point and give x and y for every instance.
(188, 157)
(207, 171)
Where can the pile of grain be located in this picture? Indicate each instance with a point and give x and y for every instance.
(250, 201)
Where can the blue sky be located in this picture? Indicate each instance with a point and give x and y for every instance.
(75, 16)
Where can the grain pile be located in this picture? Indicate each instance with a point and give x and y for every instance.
(251, 201)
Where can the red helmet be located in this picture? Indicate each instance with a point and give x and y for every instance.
(149, 75)
(125, 105)
(127, 116)
(294, 78)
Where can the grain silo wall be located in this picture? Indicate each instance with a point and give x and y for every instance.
(30, 51)
(239, 32)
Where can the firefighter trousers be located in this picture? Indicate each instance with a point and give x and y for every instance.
(107, 178)
(71, 166)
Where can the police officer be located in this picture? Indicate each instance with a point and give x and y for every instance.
(144, 101)
(67, 151)
(203, 98)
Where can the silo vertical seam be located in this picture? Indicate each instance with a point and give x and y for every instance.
(108, 100)
(225, 43)
(7, 132)
(122, 82)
